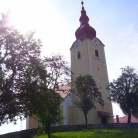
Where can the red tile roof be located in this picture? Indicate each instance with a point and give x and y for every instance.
(125, 118)
(64, 90)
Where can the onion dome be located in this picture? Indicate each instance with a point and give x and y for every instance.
(85, 30)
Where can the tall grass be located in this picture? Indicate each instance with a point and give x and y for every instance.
(96, 133)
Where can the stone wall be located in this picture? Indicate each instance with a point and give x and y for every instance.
(31, 132)
(20, 134)
(98, 126)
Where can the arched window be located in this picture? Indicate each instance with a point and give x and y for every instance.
(96, 53)
(79, 55)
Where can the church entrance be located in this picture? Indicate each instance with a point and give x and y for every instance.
(104, 120)
(104, 116)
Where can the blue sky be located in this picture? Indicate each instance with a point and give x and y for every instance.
(55, 23)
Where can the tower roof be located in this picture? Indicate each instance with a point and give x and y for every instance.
(85, 30)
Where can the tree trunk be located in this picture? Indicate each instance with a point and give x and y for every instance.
(129, 118)
(48, 131)
(86, 122)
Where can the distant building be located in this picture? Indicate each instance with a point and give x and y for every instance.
(87, 57)
(125, 118)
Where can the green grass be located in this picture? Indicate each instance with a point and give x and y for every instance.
(96, 133)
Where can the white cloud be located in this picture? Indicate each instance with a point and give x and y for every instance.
(128, 37)
(124, 50)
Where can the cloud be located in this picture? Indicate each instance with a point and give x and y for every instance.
(124, 50)
(128, 38)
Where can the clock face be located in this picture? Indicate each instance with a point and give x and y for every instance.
(77, 43)
(96, 42)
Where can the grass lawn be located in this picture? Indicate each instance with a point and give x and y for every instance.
(96, 133)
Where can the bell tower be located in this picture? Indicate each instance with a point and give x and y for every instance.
(88, 57)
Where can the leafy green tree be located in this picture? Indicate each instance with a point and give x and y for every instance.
(124, 91)
(87, 94)
(16, 53)
(41, 97)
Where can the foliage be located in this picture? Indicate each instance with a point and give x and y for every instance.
(16, 53)
(124, 91)
(28, 83)
(97, 133)
(43, 101)
(87, 94)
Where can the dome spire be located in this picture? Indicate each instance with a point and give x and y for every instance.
(85, 30)
(84, 18)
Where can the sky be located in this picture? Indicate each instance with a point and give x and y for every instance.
(55, 23)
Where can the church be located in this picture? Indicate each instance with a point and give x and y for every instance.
(87, 57)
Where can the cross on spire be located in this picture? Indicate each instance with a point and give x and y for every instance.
(82, 4)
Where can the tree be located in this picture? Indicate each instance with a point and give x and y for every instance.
(16, 53)
(40, 93)
(124, 91)
(45, 107)
(87, 94)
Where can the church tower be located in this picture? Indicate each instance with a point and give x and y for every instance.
(88, 57)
